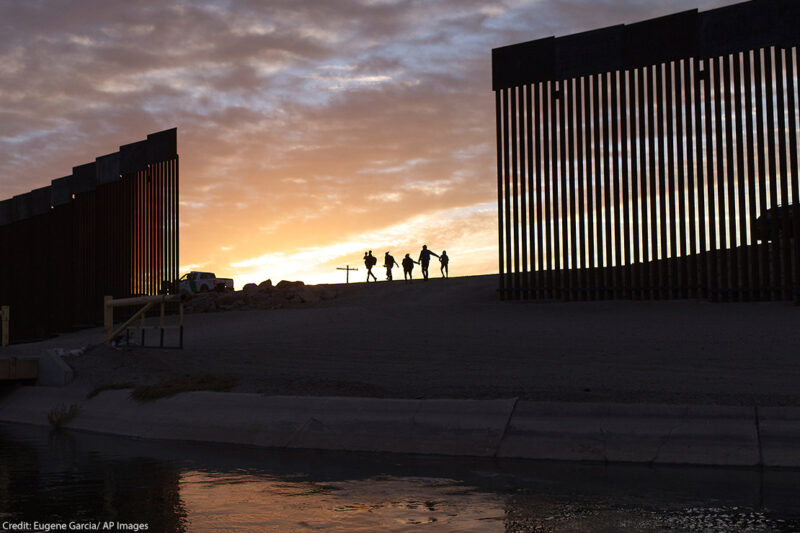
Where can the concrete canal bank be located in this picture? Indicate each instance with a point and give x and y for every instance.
(507, 428)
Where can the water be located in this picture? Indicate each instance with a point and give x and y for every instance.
(89, 480)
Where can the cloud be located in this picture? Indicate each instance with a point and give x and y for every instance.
(303, 127)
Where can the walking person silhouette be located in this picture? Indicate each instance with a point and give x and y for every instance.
(369, 262)
(408, 266)
(444, 259)
(389, 263)
(425, 260)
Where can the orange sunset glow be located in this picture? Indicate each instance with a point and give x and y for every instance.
(308, 132)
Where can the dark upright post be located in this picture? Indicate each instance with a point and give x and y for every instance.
(791, 70)
(785, 223)
(563, 193)
(636, 154)
(523, 196)
(672, 216)
(741, 256)
(684, 137)
(530, 281)
(594, 197)
(692, 102)
(540, 221)
(626, 207)
(749, 224)
(763, 247)
(661, 178)
(513, 139)
(615, 175)
(572, 187)
(500, 269)
(712, 278)
(549, 155)
(608, 233)
(774, 244)
(581, 100)
(507, 189)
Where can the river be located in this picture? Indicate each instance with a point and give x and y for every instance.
(82, 481)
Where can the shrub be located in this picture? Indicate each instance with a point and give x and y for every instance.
(172, 386)
(109, 386)
(61, 414)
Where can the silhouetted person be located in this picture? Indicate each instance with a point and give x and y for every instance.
(425, 260)
(389, 263)
(408, 266)
(444, 260)
(369, 262)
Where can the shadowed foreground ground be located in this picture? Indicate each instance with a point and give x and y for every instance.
(453, 338)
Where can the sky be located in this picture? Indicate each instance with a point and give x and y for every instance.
(308, 131)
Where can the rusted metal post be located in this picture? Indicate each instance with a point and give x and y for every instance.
(180, 307)
(5, 313)
(161, 340)
(108, 316)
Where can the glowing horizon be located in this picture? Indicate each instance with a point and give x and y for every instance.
(308, 133)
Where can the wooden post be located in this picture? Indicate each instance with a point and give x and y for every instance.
(5, 313)
(148, 301)
(141, 312)
(348, 270)
(137, 300)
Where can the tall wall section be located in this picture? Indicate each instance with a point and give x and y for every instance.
(652, 160)
(111, 227)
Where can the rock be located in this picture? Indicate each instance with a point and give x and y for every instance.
(259, 300)
(266, 285)
(288, 294)
(250, 287)
(201, 304)
(306, 296)
(228, 299)
(284, 285)
(326, 293)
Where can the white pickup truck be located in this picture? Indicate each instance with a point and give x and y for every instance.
(195, 282)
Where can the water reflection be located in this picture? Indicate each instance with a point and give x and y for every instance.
(253, 503)
(177, 487)
(54, 478)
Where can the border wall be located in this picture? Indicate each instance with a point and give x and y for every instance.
(652, 160)
(111, 227)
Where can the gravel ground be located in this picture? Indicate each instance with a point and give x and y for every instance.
(454, 338)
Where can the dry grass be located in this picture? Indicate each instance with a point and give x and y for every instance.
(110, 386)
(61, 414)
(170, 387)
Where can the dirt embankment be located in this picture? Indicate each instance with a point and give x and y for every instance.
(723, 367)
(455, 339)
